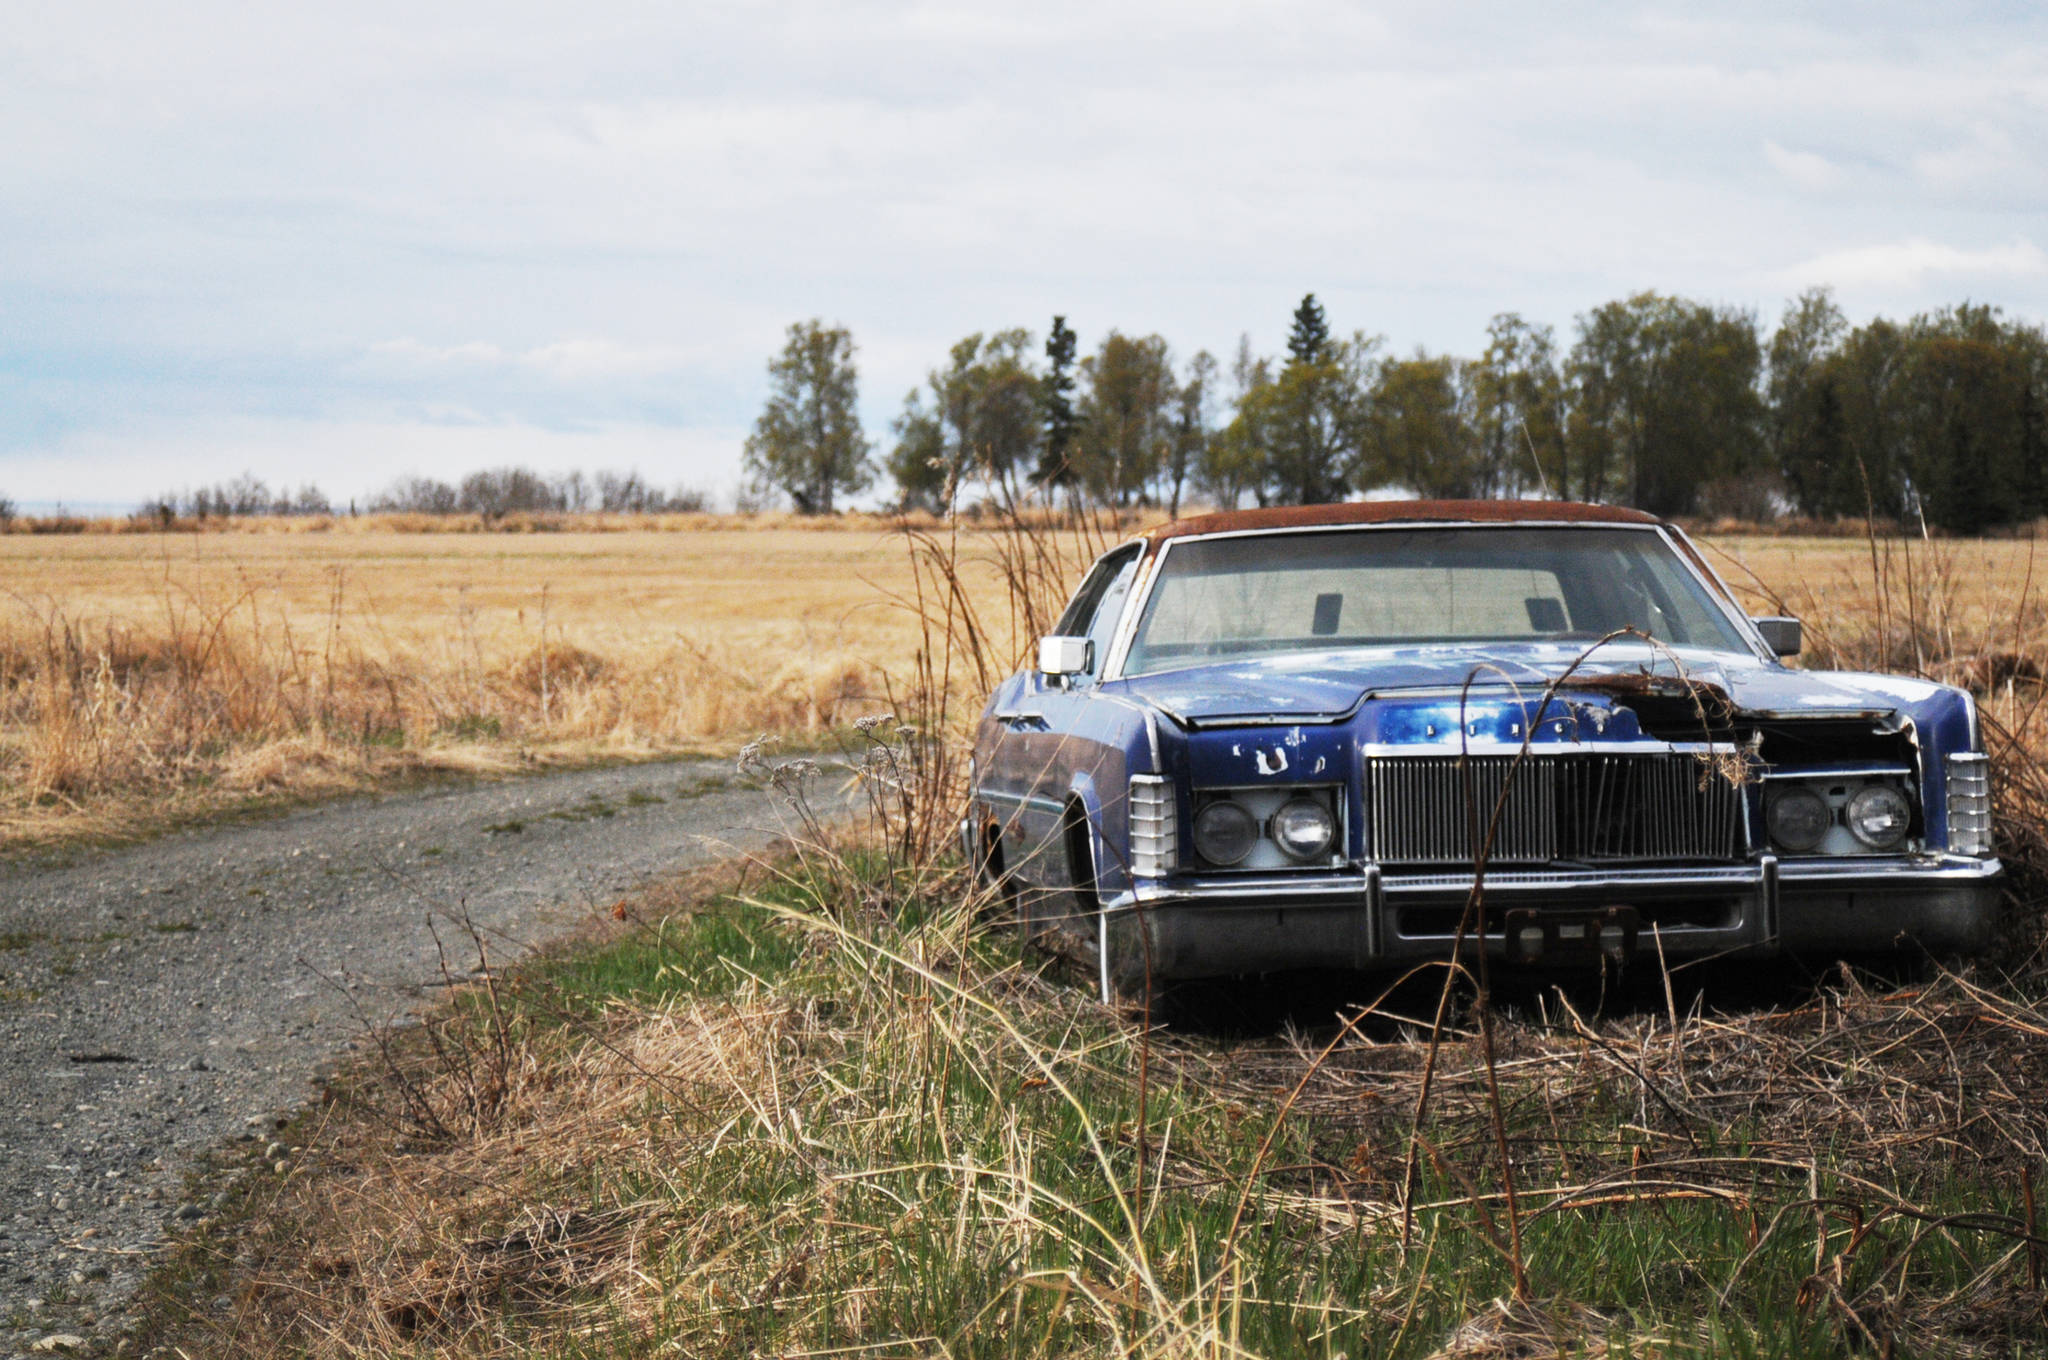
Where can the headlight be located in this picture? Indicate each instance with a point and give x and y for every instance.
(1225, 833)
(1880, 816)
(1798, 818)
(1304, 829)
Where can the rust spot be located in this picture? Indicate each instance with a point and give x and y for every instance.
(1400, 512)
(1645, 684)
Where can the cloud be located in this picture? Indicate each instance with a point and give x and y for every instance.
(577, 360)
(1987, 156)
(517, 217)
(1909, 263)
(1807, 169)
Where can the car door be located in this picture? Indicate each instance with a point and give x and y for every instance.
(1058, 738)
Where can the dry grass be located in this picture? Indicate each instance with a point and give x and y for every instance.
(172, 674)
(189, 671)
(800, 1123)
(145, 672)
(834, 1116)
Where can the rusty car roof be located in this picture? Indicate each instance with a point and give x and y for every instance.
(1397, 512)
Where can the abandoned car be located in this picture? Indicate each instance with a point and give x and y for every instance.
(1273, 739)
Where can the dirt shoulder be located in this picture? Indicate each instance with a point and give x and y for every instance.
(158, 1000)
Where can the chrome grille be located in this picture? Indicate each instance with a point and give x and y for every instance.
(1578, 807)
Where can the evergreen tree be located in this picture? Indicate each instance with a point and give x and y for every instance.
(2033, 461)
(1814, 453)
(1308, 340)
(1054, 465)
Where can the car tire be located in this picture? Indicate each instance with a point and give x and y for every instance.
(997, 886)
(1124, 978)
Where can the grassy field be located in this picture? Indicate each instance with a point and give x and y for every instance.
(823, 1108)
(200, 669)
(833, 1114)
(153, 675)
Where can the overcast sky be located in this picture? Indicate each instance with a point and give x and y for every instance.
(343, 242)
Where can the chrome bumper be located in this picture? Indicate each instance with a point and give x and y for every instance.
(1218, 926)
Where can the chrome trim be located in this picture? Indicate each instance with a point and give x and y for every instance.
(1539, 750)
(1706, 877)
(1889, 870)
(1885, 772)
(1593, 806)
(1153, 814)
(1215, 721)
(1834, 873)
(1967, 782)
(1375, 912)
(1141, 589)
(1771, 897)
(1033, 800)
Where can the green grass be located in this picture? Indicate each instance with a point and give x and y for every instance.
(707, 954)
(868, 1129)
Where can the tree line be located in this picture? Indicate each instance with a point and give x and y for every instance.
(491, 493)
(1677, 406)
(517, 490)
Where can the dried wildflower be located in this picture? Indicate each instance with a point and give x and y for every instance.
(752, 759)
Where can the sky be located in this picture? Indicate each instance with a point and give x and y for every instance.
(345, 243)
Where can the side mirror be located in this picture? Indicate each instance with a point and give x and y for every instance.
(1782, 636)
(1063, 656)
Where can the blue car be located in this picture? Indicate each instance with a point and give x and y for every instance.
(1289, 738)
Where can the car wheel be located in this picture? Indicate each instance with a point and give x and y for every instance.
(1000, 899)
(1113, 947)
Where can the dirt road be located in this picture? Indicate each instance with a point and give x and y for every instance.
(158, 1000)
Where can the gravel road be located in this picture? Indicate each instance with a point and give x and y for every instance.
(160, 1000)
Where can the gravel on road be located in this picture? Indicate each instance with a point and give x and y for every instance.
(160, 1000)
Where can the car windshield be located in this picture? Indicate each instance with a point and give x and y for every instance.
(1227, 597)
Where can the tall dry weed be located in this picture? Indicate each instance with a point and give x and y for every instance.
(1939, 610)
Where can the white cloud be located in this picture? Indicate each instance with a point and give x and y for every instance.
(534, 218)
(570, 361)
(1807, 169)
(1910, 263)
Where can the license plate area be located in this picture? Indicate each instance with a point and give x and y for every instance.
(1535, 935)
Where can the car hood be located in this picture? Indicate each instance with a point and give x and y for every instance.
(1327, 686)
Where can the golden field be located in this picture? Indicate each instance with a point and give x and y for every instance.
(145, 675)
